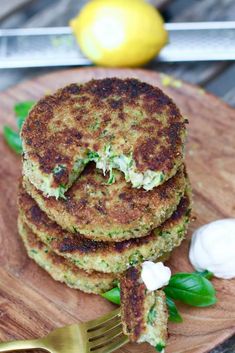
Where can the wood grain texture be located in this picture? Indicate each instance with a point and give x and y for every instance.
(10, 7)
(31, 303)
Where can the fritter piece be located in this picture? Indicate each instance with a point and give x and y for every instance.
(63, 270)
(144, 313)
(106, 256)
(119, 124)
(111, 212)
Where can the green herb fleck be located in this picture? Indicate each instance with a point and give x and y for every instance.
(135, 258)
(92, 156)
(111, 179)
(163, 234)
(62, 190)
(152, 315)
(95, 126)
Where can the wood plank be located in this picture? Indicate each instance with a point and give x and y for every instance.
(10, 7)
(55, 14)
(24, 312)
(199, 73)
(206, 10)
(160, 4)
(31, 303)
(223, 85)
(60, 13)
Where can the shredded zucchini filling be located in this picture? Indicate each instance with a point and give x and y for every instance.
(107, 162)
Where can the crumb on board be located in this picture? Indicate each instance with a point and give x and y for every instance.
(169, 81)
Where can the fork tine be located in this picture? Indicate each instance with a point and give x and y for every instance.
(95, 324)
(92, 335)
(118, 342)
(106, 337)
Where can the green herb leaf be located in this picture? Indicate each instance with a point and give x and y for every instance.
(113, 295)
(160, 347)
(21, 111)
(192, 289)
(23, 108)
(92, 156)
(111, 178)
(174, 315)
(207, 274)
(62, 190)
(13, 139)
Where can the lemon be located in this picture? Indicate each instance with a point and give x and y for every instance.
(119, 32)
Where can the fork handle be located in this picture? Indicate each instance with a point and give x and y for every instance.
(20, 345)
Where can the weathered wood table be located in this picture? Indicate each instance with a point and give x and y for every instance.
(217, 77)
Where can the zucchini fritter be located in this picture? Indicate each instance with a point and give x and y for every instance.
(144, 313)
(114, 212)
(106, 256)
(119, 124)
(63, 270)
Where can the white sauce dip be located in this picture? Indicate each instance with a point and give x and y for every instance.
(213, 248)
(155, 275)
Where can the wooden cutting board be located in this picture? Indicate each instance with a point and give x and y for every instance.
(31, 303)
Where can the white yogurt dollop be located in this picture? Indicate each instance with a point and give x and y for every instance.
(155, 275)
(213, 248)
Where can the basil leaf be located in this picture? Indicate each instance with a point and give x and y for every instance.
(174, 315)
(207, 274)
(113, 295)
(192, 289)
(22, 110)
(13, 139)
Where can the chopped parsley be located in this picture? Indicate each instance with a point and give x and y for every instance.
(152, 315)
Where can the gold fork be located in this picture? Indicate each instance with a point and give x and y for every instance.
(103, 335)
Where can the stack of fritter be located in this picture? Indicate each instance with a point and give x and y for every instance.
(104, 183)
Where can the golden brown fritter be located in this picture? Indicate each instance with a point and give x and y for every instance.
(144, 313)
(106, 256)
(120, 124)
(63, 270)
(114, 212)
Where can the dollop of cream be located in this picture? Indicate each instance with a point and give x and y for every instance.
(155, 275)
(213, 248)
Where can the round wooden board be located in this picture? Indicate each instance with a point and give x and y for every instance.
(31, 303)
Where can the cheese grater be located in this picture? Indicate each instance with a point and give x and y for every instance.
(40, 47)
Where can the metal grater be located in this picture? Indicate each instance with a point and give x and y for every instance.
(39, 47)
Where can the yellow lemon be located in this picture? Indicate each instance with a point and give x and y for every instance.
(119, 32)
